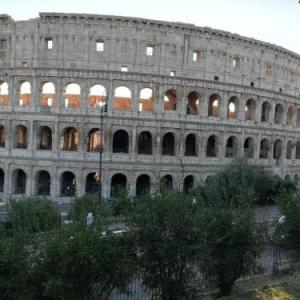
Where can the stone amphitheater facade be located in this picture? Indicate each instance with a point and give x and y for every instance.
(178, 102)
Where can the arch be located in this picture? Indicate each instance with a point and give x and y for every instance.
(265, 112)
(168, 144)
(69, 139)
(97, 96)
(231, 147)
(190, 145)
(44, 138)
(264, 149)
(142, 185)
(170, 100)
(249, 147)
(278, 117)
(298, 118)
(193, 102)
(2, 136)
(48, 94)
(211, 146)
(188, 183)
(21, 137)
(289, 150)
(214, 105)
(19, 181)
(290, 116)
(277, 149)
(94, 143)
(68, 184)
(117, 185)
(2, 178)
(92, 183)
(232, 108)
(287, 177)
(121, 141)
(236, 61)
(298, 150)
(296, 180)
(43, 183)
(250, 110)
(146, 100)
(4, 93)
(72, 95)
(122, 98)
(25, 93)
(145, 143)
(167, 182)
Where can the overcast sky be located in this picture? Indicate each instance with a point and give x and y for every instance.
(274, 21)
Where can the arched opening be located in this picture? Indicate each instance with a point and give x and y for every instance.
(264, 149)
(142, 185)
(289, 149)
(278, 114)
(190, 145)
(122, 99)
(250, 110)
(68, 184)
(188, 183)
(4, 94)
(92, 183)
(277, 150)
(145, 143)
(290, 116)
(21, 137)
(1, 180)
(94, 143)
(146, 100)
(211, 146)
(117, 185)
(44, 138)
(97, 96)
(25, 93)
(72, 95)
(167, 182)
(170, 100)
(265, 112)
(43, 183)
(48, 94)
(232, 108)
(69, 139)
(298, 150)
(287, 178)
(121, 141)
(296, 180)
(231, 147)
(168, 144)
(236, 62)
(214, 105)
(298, 118)
(19, 181)
(249, 147)
(193, 103)
(2, 136)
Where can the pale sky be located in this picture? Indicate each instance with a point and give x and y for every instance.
(274, 21)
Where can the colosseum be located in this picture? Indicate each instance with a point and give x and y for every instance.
(138, 101)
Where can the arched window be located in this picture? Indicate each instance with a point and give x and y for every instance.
(188, 183)
(277, 150)
(25, 93)
(97, 96)
(145, 143)
(278, 114)
(21, 137)
(250, 110)
(193, 103)
(170, 100)
(298, 118)
(4, 94)
(231, 147)
(19, 180)
(289, 149)
(92, 183)
(211, 146)
(94, 140)
(167, 182)
(264, 149)
(120, 142)
(44, 138)
(68, 184)
(249, 147)
(72, 95)
(142, 185)
(146, 100)
(168, 144)
(214, 106)
(2, 136)
(48, 94)
(43, 183)
(296, 180)
(122, 98)
(232, 108)
(190, 145)
(69, 139)
(265, 112)
(117, 185)
(290, 116)
(298, 150)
